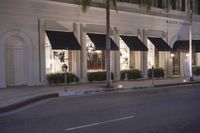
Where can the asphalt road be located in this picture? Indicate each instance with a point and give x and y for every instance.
(170, 110)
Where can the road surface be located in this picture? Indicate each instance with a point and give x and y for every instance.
(169, 110)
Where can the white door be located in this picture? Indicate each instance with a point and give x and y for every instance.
(15, 65)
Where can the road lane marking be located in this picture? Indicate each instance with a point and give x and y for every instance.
(99, 123)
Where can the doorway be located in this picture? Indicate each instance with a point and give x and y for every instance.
(15, 62)
(176, 63)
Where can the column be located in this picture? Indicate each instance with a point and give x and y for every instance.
(117, 57)
(76, 53)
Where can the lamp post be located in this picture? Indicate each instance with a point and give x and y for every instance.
(65, 67)
(152, 74)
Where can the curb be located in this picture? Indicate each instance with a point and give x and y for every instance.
(26, 102)
(46, 96)
(177, 84)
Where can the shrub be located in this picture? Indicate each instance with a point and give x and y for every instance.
(158, 72)
(98, 76)
(196, 70)
(131, 74)
(56, 78)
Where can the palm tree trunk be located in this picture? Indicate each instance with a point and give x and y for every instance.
(190, 40)
(108, 72)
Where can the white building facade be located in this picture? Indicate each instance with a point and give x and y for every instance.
(26, 53)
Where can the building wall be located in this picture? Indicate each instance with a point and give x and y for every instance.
(28, 20)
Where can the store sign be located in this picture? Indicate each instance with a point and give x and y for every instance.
(176, 22)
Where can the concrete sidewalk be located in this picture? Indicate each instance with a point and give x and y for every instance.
(15, 97)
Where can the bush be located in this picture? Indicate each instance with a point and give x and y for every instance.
(56, 78)
(131, 74)
(196, 70)
(158, 73)
(98, 76)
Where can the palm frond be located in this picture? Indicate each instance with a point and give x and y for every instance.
(115, 4)
(145, 3)
(85, 4)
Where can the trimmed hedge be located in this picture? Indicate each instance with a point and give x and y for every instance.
(98, 76)
(196, 70)
(131, 74)
(158, 73)
(56, 78)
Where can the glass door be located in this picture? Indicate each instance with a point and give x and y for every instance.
(176, 63)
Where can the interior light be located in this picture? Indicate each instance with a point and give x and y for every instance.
(120, 86)
(172, 55)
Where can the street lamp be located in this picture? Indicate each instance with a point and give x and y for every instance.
(65, 67)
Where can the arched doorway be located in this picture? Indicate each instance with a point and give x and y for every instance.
(15, 61)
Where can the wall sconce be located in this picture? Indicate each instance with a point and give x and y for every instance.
(187, 55)
(172, 55)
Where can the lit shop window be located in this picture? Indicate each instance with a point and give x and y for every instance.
(124, 55)
(55, 59)
(95, 58)
(152, 55)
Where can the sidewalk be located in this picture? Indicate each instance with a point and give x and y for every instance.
(15, 97)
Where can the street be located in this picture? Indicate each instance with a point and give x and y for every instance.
(166, 110)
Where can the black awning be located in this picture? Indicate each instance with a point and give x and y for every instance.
(99, 41)
(160, 44)
(63, 40)
(183, 45)
(134, 43)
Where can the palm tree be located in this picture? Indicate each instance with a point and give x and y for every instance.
(190, 10)
(86, 3)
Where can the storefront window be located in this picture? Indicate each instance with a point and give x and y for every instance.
(95, 58)
(124, 56)
(150, 55)
(130, 1)
(159, 3)
(195, 5)
(55, 59)
(178, 5)
(194, 59)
